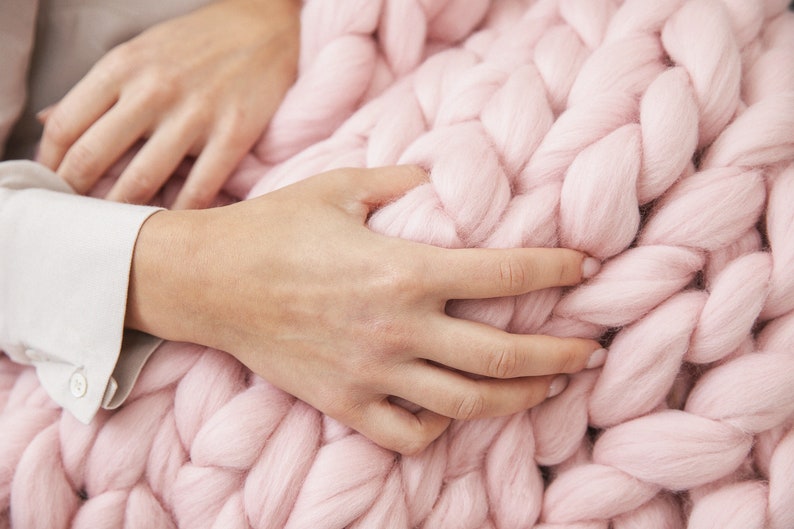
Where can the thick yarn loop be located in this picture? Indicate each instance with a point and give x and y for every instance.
(781, 483)
(343, 62)
(561, 424)
(636, 378)
(579, 494)
(655, 136)
(699, 36)
(700, 451)
(741, 505)
(780, 230)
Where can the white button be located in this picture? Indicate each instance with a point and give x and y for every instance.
(78, 385)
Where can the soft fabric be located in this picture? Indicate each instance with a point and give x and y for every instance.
(656, 136)
(64, 275)
(65, 259)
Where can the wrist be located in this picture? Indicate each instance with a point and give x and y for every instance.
(160, 285)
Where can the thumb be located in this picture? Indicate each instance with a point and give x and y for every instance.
(374, 188)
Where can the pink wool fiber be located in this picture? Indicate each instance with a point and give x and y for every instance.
(656, 136)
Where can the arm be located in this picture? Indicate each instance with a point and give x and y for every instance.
(296, 287)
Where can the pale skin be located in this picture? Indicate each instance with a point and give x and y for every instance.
(293, 284)
(191, 86)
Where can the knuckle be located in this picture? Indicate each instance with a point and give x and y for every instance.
(337, 405)
(198, 196)
(156, 92)
(469, 406)
(338, 400)
(196, 113)
(404, 278)
(363, 364)
(235, 134)
(139, 181)
(412, 445)
(386, 333)
(122, 56)
(116, 63)
(503, 362)
(381, 344)
(58, 130)
(567, 271)
(570, 360)
(514, 275)
(80, 160)
(236, 118)
(400, 280)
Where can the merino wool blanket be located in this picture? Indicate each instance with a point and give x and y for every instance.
(656, 136)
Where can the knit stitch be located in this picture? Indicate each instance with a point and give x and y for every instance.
(656, 136)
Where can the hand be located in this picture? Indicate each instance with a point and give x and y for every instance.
(203, 84)
(296, 287)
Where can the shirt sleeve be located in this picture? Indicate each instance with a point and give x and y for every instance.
(64, 273)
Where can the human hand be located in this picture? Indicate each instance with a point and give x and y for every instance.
(205, 84)
(296, 287)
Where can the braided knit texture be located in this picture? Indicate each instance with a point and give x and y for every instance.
(656, 136)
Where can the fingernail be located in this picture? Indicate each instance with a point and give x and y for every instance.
(597, 359)
(590, 267)
(557, 385)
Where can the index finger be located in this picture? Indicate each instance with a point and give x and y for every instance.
(84, 104)
(478, 273)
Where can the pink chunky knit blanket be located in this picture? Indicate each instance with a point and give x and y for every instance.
(655, 135)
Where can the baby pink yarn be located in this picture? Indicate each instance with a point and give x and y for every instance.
(657, 136)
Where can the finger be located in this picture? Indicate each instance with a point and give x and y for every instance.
(102, 144)
(483, 350)
(211, 170)
(82, 106)
(154, 163)
(459, 397)
(395, 428)
(43, 115)
(476, 273)
(373, 188)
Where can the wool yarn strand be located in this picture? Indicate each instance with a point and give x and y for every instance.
(657, 137)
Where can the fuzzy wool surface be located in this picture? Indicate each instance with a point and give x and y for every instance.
(656, 136)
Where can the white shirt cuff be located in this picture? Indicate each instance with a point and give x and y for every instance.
(64, 273)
